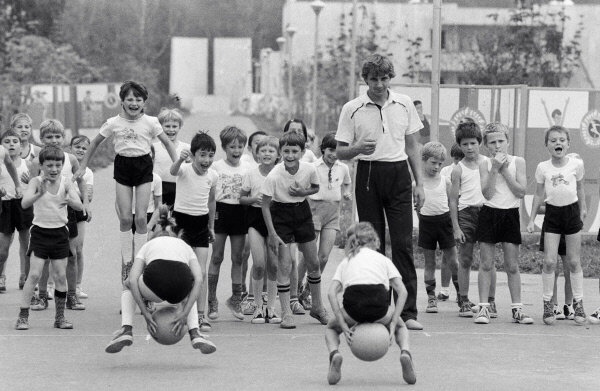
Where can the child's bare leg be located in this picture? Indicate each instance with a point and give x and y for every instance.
(124, 212)
(237, 247)
(574, 264)
(71, 270)
(271, 276)
(294, 271)
(35, 272)
(259, 264)
(245, 266)
(429, 272)
(449, 269)
(402, 335)
(214, 266)
(568, 287)
(551, 242)
(79, 250)
(309, 250)
(5, 241)
(487, 253)
(511, 265)
(59, 275)
(202, 256)
(326, 242)
(284, 267)
(23, 244)
(465, 257)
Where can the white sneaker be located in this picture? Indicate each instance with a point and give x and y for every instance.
(81, 294)
(558, 313)
(484, 315)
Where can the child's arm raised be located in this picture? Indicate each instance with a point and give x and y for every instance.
(335, 288)
(518, 184)
(34, 191)
(535, 206)
(168, 145)
(185, 154)
(12, 171)
(274, 239)
(453, 203)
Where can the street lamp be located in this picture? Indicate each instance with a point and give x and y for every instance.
(290, 31)
(281, 44)
(316, 6)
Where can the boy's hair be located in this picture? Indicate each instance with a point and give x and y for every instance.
(494, 127)
(51, 126)
(456, 152)
(360, 235)
(231, 134)
(51, 152)
(328, 142)
(433, 149)
(292, 139)
(80, 139)
(417, 102)
(556, 128)
(19, 117)
(139, 90)
(257, 133)
(9, 133)
(167, 115)
(202, 142)
(269, 140)
(286, 127)
(379, 65)
(556, 112)
(468, 130)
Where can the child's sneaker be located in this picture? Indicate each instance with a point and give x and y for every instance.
(121, 338)
(483, 317)
(408, 370)
(548, 316)
(81, 294)
(271, 316)
(248, 306)
(201, 342)
(558, 314)
(50, 294)
(519, 317)
(33, 301)
(258, 317)
(492, 310)
(22, 323)
(74, 304)
(62, 323)
(297, 308)
(305, 299)
(213, 309)
(335, 368)
(465, 310)
(40, 304)
(579, 313)
(442, 296)
(2, 284)
(287, 322)
(235, 307)
(569, 312)
(431, 305)
(204, 324)
(594, 318)
(320, 315)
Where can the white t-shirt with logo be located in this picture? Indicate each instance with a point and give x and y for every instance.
(230, 181)
(191, 196)
(278, 182)
(132, 137)
(560, 183)
(163, 162)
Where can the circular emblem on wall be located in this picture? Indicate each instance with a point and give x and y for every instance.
(111, 100)
(466, 114)
(590, 129)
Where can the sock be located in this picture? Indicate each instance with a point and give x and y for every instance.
(314, 284)
(24, 312)
(126, 239)
(236, 291)
(271, 293)
(333, 353)
(490, 299)
(257, 294)
(430, 287)
(548, 285)
(127, 328)
(43, 294)
(244, 288)
(463, 298)
(60, 299)
(213, 279)
(293, 299)
(284, 298)
(138, 241)
(516, 305)
(192, 318)
(127, 308)
(455, 282)
(445, 290)
(577, 285)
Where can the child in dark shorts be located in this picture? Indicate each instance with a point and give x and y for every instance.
(364, 278)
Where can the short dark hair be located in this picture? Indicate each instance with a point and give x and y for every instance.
(292, 139)
(138, 89)
(286, 127)
(468, 130)
(230, 134)
(556, 112)
(328, 141)
(9, 133)
(257, 133)
(80, 139)
(417, 102)
(456, 152)
(379, 65)
(51, 152)
(202, 141)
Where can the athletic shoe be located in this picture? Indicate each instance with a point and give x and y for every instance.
(2, 284)
(34, 300)
(408, 371)
(320, 315)
(81, 294)
(519, 317)
(213, 309)
(492, 310)
(22, 323)
(305, 299)
(548, 316)
(271, 316)
(580, 316)
(258, 317)
(248, 306)
(474, 307)
(74, 304)
(594, 318)
(40, 304)
(204, 324)
(297, 308)
(201, 342)
(50, 294)
(483, 317)
(465, 310)
(442, 296)
(121, 338)
(558, 314)
(431, 305)
(287, 322)
(569, 312)
(335, 369)
(22, 280)
(62, 323)
(235, 307)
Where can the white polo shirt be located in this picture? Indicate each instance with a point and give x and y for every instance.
(361, 118)
(331, 180)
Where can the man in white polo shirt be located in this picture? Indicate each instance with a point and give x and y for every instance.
(381, 128)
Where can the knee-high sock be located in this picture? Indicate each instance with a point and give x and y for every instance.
(60, 299)
(577, 285)
(548, 285)
(127, 308)
(126, 239)
(271, 293)
(138, 241)
(192, 318)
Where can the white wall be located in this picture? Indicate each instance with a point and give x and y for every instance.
(189, 68)
(233, 67)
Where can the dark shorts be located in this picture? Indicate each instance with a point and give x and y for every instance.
(195, 228)
(172, 281)
(14, 217)
(72, 223)
(434, 230)
(49, 243)
(168, 194)
(133, 171)
(230, 219)
(326, 214)
(255, 220)
(293, 221)
(366, 303)
(467, 221)
(564, 220)
(562, 244)
(148, 217)
(499, 225)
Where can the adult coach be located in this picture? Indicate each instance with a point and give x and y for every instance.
(381, 128)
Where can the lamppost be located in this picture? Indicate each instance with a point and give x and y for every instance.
(290, 31)
(316, 6)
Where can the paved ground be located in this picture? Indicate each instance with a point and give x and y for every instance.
(450, 354)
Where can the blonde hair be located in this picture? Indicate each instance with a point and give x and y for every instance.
(51, 126)
(167, 115)
(433, 149)
(494, 127)
(360, 235)
(20, 117)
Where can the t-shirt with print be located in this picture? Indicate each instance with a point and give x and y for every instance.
(230, 181)
(367, 267)
(252, 182)
(278, 182)
(132, 137)
(331, 180)
(560, 183)
(193, 190)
